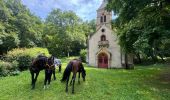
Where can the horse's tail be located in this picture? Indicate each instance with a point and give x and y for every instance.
(67, 72)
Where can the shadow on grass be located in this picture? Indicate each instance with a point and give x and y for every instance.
(159, 84)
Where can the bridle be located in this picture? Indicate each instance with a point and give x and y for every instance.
(47, 65)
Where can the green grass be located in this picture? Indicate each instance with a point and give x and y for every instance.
(143, 83)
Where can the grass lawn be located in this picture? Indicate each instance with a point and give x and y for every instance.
(143, 83)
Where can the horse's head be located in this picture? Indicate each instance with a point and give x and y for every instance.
(83, 75)
(50, 62)
(83, 72)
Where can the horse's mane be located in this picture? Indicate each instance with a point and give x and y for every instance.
(67, 72)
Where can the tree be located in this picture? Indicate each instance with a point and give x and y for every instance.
(18, 26)
(64, 32)
(142, 25)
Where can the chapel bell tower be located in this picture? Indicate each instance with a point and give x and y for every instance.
(103, 16)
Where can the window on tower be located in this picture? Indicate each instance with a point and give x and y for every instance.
(101, 19)
(105, 18)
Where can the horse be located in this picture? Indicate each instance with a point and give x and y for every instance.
(41, 63)
(73, 66)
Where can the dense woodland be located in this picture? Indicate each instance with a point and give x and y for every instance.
(62, 32)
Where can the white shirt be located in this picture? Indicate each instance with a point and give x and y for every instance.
(57, 62)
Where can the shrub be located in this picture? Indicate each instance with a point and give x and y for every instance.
(83, 54)
(24, 56)
(8, 68)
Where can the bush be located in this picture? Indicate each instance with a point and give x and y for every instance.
(83, 54)
(24, 56)
(7, 68)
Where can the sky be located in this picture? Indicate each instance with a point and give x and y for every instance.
(85, 9)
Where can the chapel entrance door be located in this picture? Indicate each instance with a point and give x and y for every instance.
(102, 60)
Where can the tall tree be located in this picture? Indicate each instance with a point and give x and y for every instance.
(19, 27)
(63, 32)
(142, 25)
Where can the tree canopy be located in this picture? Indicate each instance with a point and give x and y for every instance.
(18, 26)
(63, 32)
(66, 33)
(143, 26)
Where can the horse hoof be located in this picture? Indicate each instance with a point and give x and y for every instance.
(33, 87)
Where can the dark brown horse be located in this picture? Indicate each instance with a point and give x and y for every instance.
(73, 66)
(42, 63)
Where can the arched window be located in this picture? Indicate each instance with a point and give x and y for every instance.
(103, 38)
(105, 18)
(101, 19)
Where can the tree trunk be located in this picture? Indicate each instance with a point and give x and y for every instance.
(68, 54)
(126, 61)
(139, 59)
(154, 58)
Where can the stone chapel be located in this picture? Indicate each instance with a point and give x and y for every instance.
(103, 48)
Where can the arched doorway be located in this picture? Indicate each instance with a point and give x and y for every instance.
(102, 60)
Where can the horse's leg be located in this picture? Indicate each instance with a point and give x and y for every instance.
(74, 78)
(37, 73)
(79, 78)
(59, 68)
(71, 80)
(45, 80)
(35, 79)
(32, 78)
(49, 78)
(54, 74)
(67, 83)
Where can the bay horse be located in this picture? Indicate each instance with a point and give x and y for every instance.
(73, 66)
(41, 63)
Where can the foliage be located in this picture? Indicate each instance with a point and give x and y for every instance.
(142, 83)
(18, 26)
(143, 26)
(8, 42)
(65, 33)
(7, 68)
(83, 55)
(25, 56)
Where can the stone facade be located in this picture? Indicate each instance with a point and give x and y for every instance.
(103, 48)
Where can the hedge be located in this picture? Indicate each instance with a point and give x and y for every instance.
(8, 68)
(83, 54)
(24, 56)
